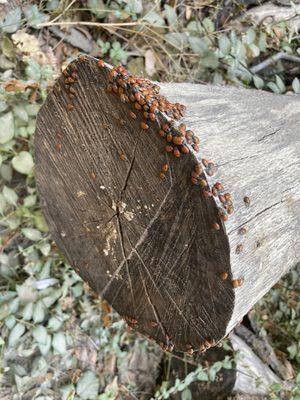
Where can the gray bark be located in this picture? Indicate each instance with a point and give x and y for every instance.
(255, 139)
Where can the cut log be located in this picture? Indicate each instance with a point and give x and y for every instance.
(157, 249)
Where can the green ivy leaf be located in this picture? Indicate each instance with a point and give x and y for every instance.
(258, 82)
(250, 36)
(262, 42)
(8, 47)
(12, 20)
(276, 387)
(12, 222)
(218, 79)
(186, 395)
(273, 87)
(23, 163)
(176, 39)
(212, 374)
(296, 85)
(31, 127)
(7, 127)
(15, 334)
(198, 45)
(10, 195)
(116, 53)
(227, 363)
(280, 84)
(20, 112)
(210, 60)
(233, 37)
(224, 45)
(3, 204)
(202, 376)
(87, 386)
(45, 249)
(59, 343)
(27, 312)
(208, 25)
(39, 221)
(67, 392)
(34, 16)
(39, 312)
(194, 27)
(30, 201)
(134, 6)
(97, 7)
(240, 51)
(3, 106)
(40, 334)
(10, 321)
(32, 109)
(293, 350)
(45, 348)
(32, 234)
(254, 49)
(33, 70)
(14, 305)
(54, 323)
(171, 15)
(154, 19)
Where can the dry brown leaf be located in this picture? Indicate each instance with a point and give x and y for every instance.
(29, 46)
(106, 307)
(106, 310)
(17, 86)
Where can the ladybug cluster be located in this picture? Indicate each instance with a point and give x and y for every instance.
(153, 107)
(70, 78)
(144, 97)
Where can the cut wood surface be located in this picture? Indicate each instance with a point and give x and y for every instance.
(147, 244)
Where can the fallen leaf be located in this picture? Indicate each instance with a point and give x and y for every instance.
(29, 46)
(17, 86)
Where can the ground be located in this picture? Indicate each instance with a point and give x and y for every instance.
(59, 341)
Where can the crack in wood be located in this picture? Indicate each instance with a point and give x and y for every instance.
(155, 312)
(268, 135)
(121, 237)
(167, 292)
(129, 170)
(170, 297)
(239, 159)
(255, 216)
(140, 241)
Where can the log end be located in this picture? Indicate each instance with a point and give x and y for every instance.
(126, 214)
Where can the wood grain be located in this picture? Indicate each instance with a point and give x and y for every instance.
(255, 139)
(146, 244)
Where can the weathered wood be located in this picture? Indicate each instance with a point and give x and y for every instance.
(253, 376)
(146, 244)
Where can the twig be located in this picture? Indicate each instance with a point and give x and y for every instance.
(273, 59)
(88, 23)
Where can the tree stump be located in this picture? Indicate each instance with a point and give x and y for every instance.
(144, 236)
